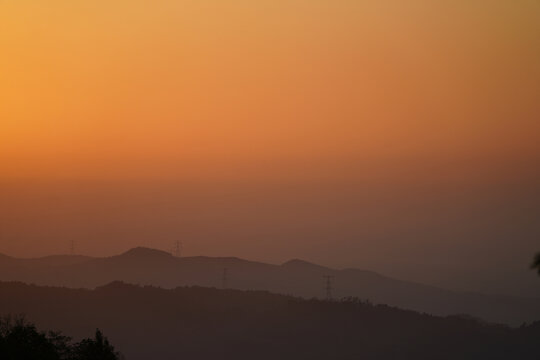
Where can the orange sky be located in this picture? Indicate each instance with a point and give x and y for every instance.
(349, 132)
(196, 88)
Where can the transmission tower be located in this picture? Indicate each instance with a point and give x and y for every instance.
(177, 249)
(225, 279)
(72, 247)
(328, 286)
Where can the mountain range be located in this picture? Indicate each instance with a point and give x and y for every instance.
(145, 322)
(146, 266)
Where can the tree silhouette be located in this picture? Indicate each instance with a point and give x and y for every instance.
(536, 263)
(98, 348)
(20, 340)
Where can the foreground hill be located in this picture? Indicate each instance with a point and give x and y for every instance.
(296, 277)
(207, 323)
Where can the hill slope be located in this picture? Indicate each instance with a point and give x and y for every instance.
(296, 277)
(206, 323)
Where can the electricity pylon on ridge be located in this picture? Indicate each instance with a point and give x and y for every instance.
(328, 286)
(177, 249)
(225, 279)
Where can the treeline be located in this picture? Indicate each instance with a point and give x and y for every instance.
(207, 323)
(21, 340)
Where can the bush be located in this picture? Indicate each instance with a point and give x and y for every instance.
(21, 340)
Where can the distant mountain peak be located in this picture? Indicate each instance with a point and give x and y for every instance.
(117, 285)
(302, 264)
(144, 252)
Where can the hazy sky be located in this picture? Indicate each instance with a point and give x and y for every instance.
(401, 136)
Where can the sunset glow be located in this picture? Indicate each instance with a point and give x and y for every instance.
(200, 89)
(269, 179)
(387, 131)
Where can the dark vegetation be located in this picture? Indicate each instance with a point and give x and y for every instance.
(295, 277)
(536, 263)
(21, 340)
(207, 323)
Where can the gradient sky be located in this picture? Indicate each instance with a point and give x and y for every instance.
(401, 136)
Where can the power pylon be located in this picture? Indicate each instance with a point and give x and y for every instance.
(72, 247)
(225, 279)
(328, 286)
(177, 250)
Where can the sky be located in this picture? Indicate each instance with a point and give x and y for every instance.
(397, 136)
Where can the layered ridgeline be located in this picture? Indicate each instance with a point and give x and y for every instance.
(299, 278)
(208, 323)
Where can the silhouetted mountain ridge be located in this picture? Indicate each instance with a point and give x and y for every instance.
(4, 257)
(145, 253)
(147, 322)
(304, 265)
(297, 277)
